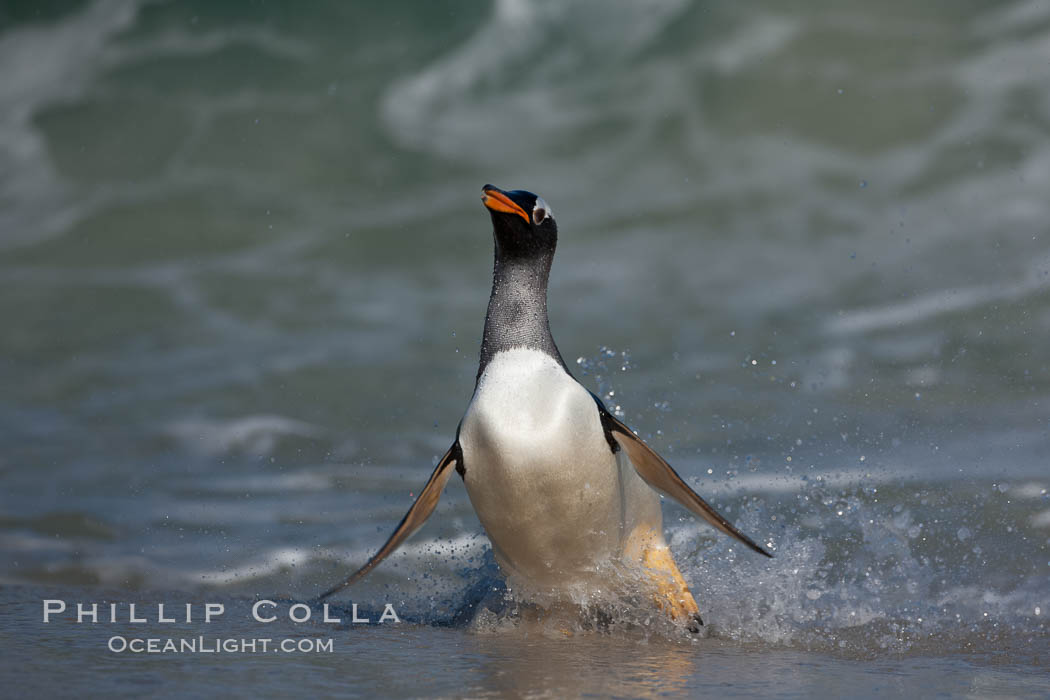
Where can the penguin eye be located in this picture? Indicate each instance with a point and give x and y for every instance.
(540, 212)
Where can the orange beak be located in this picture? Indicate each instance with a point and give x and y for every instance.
(497, 201)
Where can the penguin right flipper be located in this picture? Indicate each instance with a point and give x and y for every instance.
(656, 472)
(414, 518)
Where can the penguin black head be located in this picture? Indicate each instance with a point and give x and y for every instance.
(521, 222)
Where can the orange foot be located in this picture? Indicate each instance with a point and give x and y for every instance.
(672, 593)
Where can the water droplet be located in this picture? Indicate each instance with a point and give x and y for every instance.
(963, 534)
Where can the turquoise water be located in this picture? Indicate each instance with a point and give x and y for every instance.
(243, 272)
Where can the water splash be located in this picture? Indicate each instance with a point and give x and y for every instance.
(601, 366)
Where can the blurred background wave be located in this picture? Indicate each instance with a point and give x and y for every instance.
(244, 267)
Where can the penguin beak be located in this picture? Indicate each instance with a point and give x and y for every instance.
(495, 200)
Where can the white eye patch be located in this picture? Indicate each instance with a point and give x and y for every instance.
(540, 212)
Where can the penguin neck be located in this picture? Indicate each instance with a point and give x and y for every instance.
(517, 312)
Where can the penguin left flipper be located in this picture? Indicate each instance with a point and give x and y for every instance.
(413, 520)
(656, 472)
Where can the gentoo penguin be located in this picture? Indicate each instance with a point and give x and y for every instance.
(562, 487)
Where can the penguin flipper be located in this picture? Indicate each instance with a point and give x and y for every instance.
(413, 520)
(656, 472)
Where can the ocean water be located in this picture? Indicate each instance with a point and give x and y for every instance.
(804, 251)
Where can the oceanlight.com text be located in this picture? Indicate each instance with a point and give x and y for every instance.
(219, 645)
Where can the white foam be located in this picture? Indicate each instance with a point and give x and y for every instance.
(283, 558)
(446, 107)
(765, 36)
(1041, 519)
(937, 303)
(252, 434)
(271, 483)
(45, 64)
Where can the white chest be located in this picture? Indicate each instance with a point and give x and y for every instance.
(527, 408)
(539, 472)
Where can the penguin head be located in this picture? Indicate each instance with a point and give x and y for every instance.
(521, 222)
